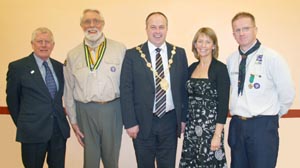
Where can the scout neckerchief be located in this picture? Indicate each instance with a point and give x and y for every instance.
(242, 66)
(99, 55)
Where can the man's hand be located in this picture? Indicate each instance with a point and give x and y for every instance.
(78, 133)
(133, 131)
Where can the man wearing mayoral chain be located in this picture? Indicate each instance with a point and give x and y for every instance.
(153, 96)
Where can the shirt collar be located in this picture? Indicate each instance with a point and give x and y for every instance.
(39, 61)
(152, 47)
(249, 47)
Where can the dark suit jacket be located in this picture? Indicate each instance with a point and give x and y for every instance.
(137, 89)
(30, 104)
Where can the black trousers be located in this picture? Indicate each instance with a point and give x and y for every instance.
(33, 154)
(160, 146)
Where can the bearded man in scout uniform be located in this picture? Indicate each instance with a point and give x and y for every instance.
(92, 77)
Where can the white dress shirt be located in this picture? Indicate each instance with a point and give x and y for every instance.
(164, 56)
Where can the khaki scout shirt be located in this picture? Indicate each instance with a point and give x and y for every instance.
(84, 85)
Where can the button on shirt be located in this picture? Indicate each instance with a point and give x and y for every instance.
(164, 55)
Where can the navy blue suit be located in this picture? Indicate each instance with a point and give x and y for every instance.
(37, 116)
(137, 90)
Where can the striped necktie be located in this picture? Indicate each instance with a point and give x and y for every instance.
(49, 79)
(160, 94)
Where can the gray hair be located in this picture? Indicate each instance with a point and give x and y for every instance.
(42, 30)
(91, 10)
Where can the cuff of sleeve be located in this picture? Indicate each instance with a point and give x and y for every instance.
(282, 112)
(72, 120)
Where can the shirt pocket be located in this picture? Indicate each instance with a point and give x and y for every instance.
(113, 76)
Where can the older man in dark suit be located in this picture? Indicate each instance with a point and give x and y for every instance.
(153, 96)
(34, 97)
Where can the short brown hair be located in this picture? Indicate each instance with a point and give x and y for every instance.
(156, 13)
(243, 15)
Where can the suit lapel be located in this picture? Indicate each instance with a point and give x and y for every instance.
(58, 74)
(36, 75)
(173, 66)
(148, 72)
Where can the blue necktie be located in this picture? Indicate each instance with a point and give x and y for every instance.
(160, 94)
(49, 79)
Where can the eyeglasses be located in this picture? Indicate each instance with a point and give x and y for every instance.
(243, 29)
(88, 22)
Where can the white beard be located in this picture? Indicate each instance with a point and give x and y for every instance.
(93, 40)
(92, 37)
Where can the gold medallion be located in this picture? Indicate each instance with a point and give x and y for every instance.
(250, 86)
(164, 84)
(148, 65)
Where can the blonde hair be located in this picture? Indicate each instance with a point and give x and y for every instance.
(212, 35)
